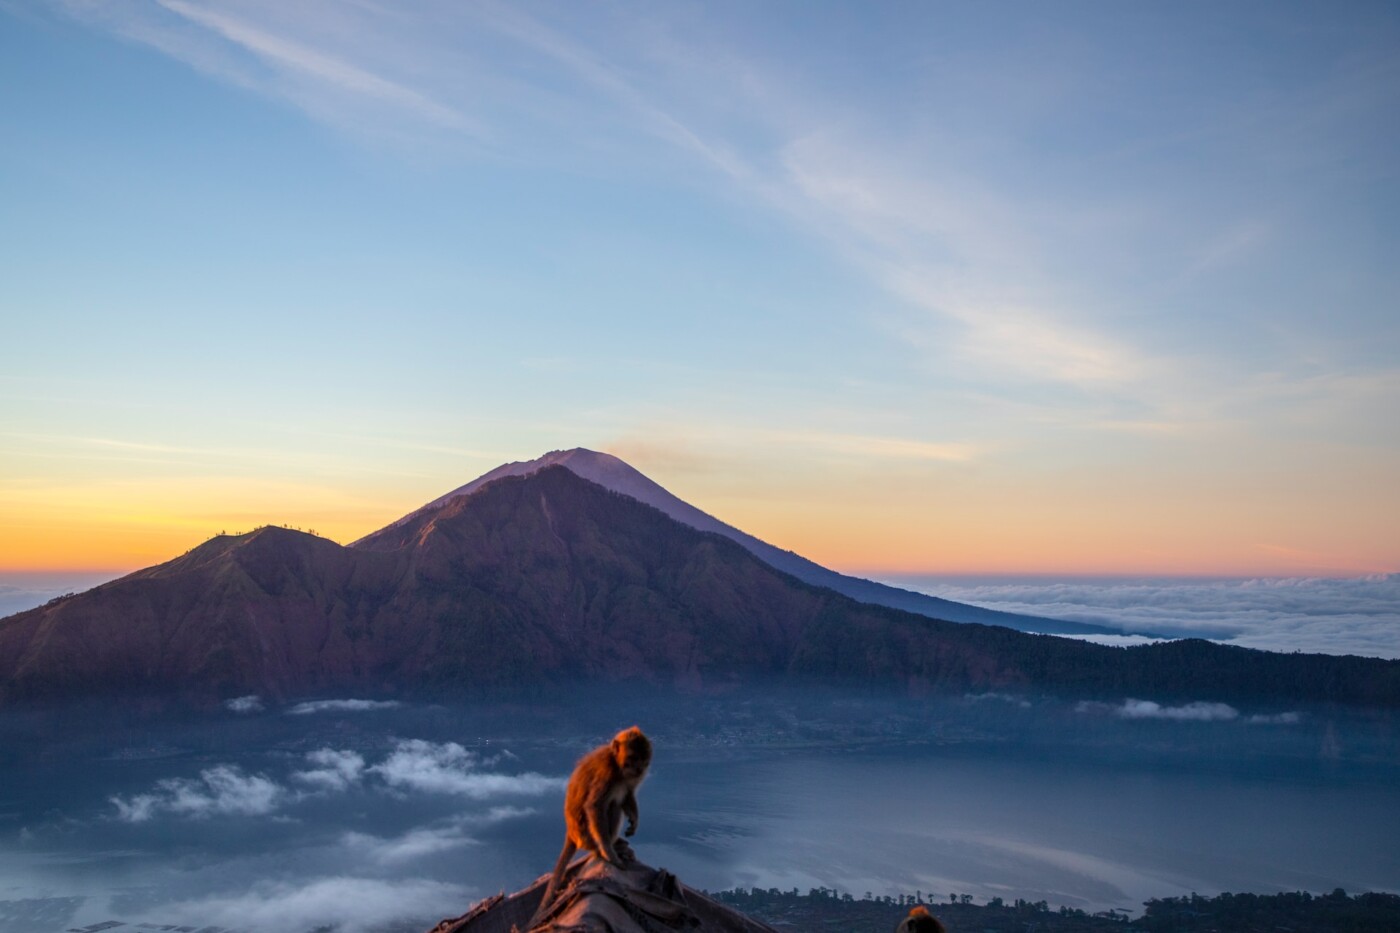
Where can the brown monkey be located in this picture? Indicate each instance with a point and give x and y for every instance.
(602, 790)
(920, 921)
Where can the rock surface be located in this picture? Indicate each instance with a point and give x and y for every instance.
(599, 898)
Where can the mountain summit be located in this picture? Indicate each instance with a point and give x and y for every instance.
(615, 474)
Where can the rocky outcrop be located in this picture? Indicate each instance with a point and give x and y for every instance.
(597, 897)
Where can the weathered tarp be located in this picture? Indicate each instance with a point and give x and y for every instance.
(598, 898)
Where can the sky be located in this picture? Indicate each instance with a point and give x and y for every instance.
(1077, 288)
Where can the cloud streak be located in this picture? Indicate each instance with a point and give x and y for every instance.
(414, 844)
(345, 904)
(251, 703)
(296, 57)
(1200, 711)
(413, 766)
(224, 790)
(337, 771)
(341, 706)
(449, 768)
(938, 240)
(1197, 711)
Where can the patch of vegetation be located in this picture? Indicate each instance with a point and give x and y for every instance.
(821, 910)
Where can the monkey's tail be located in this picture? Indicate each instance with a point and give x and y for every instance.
(553, 887)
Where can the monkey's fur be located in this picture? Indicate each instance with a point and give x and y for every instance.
(920, 921)
(602, 790)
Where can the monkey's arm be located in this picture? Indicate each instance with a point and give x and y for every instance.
(629, 810)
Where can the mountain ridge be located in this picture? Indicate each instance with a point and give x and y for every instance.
(617, 475)
(544, 581)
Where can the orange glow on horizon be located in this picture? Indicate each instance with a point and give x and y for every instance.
(960, 520)
(860, 545)
(130, 525)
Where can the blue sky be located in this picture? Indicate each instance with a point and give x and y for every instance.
(920, 287)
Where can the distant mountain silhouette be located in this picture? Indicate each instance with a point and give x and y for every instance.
(611, 473)
(549, 579)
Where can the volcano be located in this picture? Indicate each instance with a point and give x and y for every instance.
(542, 579)
(615, 474)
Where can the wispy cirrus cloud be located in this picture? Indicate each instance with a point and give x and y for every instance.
(992, 280)
(958, 254)
(293, 56)
(937, 241)
(880, 448)
(318, 58)
(702, 448)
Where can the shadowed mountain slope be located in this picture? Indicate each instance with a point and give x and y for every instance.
(611, 473)
(548, 579)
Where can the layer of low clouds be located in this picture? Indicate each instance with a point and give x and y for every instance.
(1196, 711)
(22, 591)
(343, 904)
(252, 703)
(245, 704)
(1011, 698)
(19, 598)
(341, 706)
(335, 770)
(1199, 711)
(413, 766)
(1358, 615)
(448, 768)
(223, 790)
(416, 843)
(422, 841)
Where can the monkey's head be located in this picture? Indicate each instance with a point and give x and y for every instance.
(632, 751)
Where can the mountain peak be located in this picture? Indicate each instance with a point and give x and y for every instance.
(263, 541)
(615, 474)
(590, 464)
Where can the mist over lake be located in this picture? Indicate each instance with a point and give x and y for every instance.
(369, 816)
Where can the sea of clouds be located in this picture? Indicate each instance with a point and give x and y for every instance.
(21, 591)
(1359, 615)
(389, 834)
